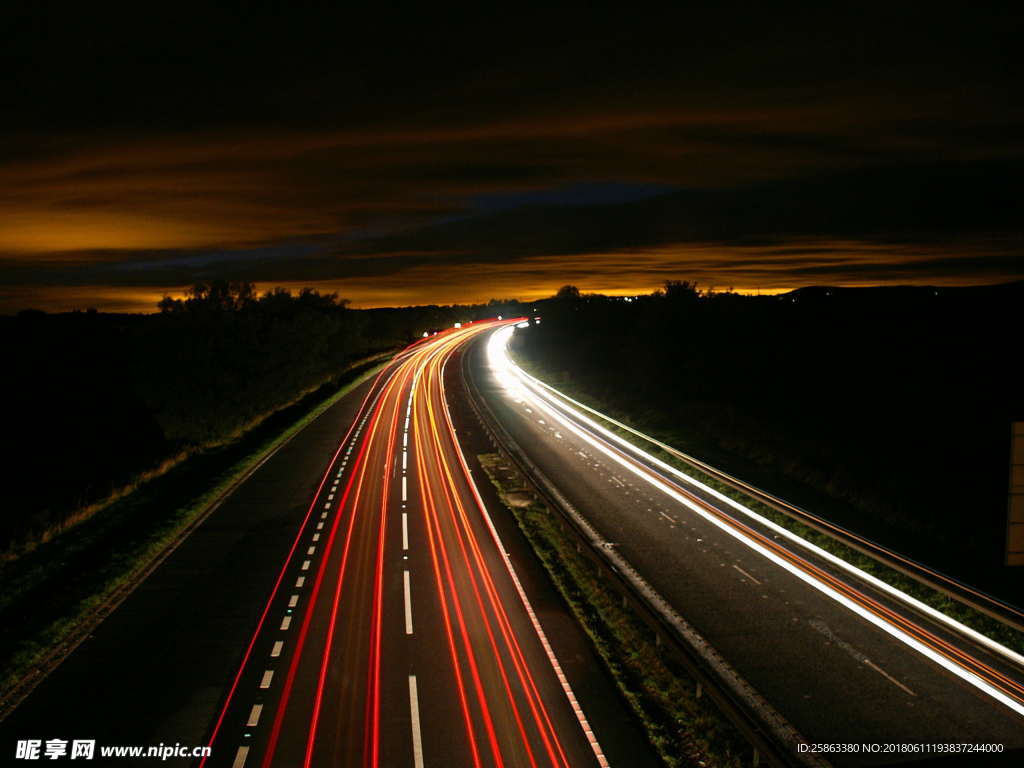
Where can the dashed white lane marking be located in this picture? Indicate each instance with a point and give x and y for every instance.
(330, 497)
(276, 650)
(888, 677)
(311, 550)
(414, 712)
(408, 603)
(323, 515)
(293, 601)
(405, 463)
(300, 581)
(405, 530)
(319, 526)
(305, 565)
(671, 520)
(268, 675)
(404, 490)
(286, 622)
(746, 574)
(405, 439)
(316, 537)
(327, 505)
(240, 755)
(254, 716)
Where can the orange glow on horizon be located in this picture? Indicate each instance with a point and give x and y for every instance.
(748, 270)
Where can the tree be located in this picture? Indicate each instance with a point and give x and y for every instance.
(681, 292)
(568, 293)
(220, 295)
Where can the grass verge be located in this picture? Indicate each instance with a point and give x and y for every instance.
(965, 614)
(684, 727)
(54, 593)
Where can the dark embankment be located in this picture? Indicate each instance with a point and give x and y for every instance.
(887, 410)
(98, 402)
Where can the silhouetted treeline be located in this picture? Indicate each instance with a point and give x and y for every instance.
(889, 407)
(96, 399)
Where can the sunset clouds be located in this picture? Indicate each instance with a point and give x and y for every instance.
(353, 154)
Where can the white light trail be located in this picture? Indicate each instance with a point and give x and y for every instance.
(518, 385)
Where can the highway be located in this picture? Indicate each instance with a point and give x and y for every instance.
(842, 657)
(397, 632)
(361, 601)
(358, 601)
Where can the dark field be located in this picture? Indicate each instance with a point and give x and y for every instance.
(887, 410)
(96, 401)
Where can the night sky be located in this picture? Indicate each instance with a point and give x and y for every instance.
(403, 157)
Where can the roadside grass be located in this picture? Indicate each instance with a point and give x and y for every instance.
(684, 728)
(976, 620)
(73, 518)
(53, 593)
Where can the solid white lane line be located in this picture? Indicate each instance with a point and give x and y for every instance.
(538, 629)
(286, 622)
(746, 574)
(276, 650)
(408, 604)
(414, 712)
(240, 755)
(268, 675)
(300, 581)
(526, 379)
(894, 631)
(254, 716)
(405, 530)
(404, 490)
(293, 601)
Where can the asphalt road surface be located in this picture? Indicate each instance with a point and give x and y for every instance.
(822, 645)
(384, 611)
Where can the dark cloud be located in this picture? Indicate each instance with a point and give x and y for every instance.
(372, 150)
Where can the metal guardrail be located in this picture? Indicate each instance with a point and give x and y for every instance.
(770, 736)
(948, 586)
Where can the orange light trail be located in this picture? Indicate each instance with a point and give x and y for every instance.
(972, 666)
(467, 536)
(505, 716)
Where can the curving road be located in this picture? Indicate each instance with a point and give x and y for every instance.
(370, 614)
(843, 657)
(397, 632)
